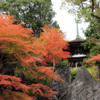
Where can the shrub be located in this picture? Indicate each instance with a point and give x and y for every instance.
(74, 73)
(93, 71)
(64, 63)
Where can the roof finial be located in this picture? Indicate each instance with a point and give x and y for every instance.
(77, 28)
(77, 31)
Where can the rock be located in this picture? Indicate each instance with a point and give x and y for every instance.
(84, 87)
(55, 98)
(62, 88)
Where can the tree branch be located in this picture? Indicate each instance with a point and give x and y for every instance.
(98, 17)
(92, 5)
(95, 16)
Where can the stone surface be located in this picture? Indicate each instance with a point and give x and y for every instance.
(63, 87)
(84, 87)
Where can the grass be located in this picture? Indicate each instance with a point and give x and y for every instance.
(74, 73)
(92, 70)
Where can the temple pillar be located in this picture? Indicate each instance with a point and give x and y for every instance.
(76, 64)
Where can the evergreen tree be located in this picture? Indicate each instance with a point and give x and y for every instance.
(33, 13)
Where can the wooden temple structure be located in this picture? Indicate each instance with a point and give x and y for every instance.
(78, 53)
(77, 49)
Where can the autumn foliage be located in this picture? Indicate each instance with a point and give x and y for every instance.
(94, 59)
(26, 49)
(53, 40)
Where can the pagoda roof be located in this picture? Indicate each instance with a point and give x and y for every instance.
(76, 58)
(75, 47)
(77, 40)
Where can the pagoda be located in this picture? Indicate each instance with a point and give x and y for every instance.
(78, 53)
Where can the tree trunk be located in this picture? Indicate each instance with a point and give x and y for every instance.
(53, 63)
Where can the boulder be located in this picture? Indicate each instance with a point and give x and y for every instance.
(84, 87)
(62, 87)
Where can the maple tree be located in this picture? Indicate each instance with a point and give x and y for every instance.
(94, 58)
(25, 49)
(53, 40)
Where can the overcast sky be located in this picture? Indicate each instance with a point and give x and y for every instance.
(66, 21)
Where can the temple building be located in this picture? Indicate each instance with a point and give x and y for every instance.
(78, 53)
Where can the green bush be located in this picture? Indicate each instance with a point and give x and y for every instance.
(64, 63)
(74, 73)
(93, 71)
(85, 64)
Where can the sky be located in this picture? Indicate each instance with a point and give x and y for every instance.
(67, 22)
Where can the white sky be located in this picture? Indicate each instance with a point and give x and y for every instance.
(66, 21)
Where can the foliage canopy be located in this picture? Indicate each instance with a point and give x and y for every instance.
(26, 50)
(33, 13)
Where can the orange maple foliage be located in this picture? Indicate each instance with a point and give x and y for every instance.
(18, 41)
(94, 58)
(53, 41)
(12, 82)
(26, 49)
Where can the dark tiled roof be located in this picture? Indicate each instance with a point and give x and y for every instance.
(77, 40)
